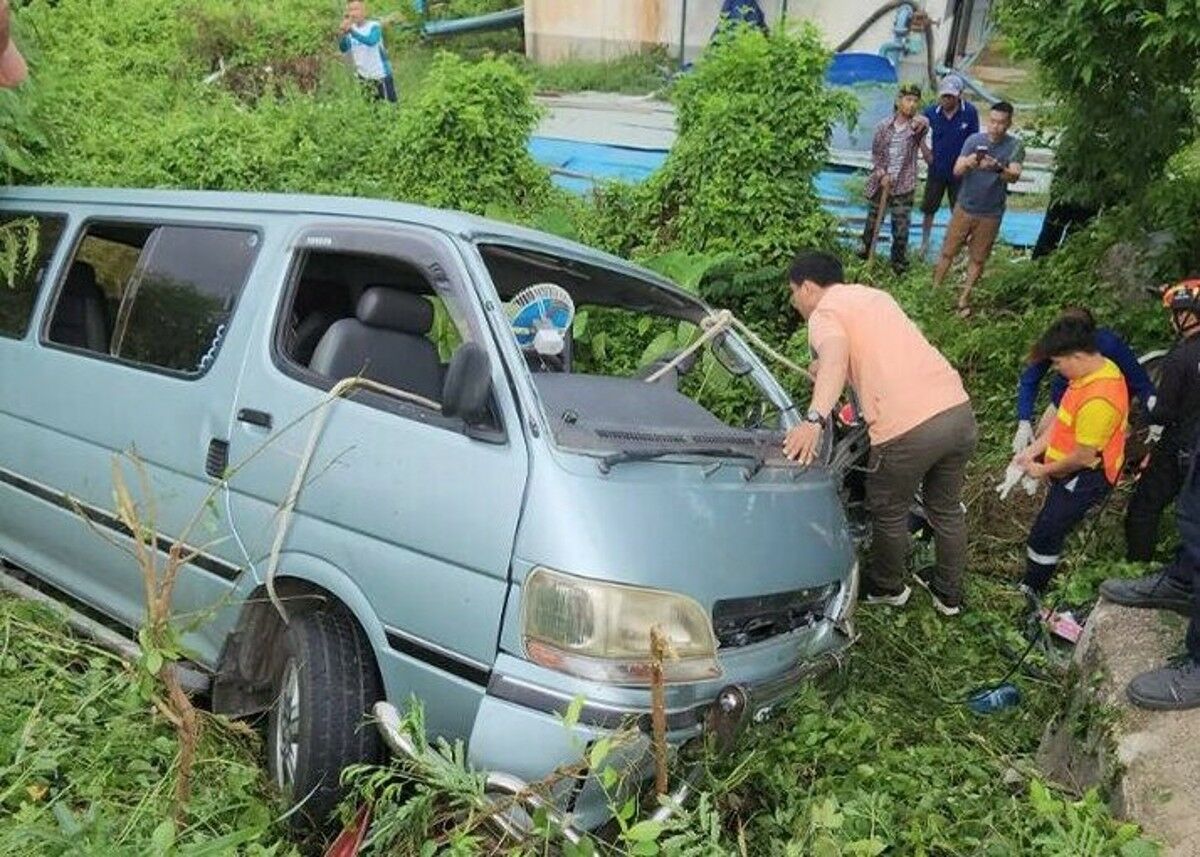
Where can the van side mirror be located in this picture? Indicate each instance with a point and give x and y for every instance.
(468, 385)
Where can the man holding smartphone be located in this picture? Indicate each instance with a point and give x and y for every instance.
(989, 162)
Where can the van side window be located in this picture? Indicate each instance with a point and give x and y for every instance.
(352, 314)
(158, 296)
(27, 244)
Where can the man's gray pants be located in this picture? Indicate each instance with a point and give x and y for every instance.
(931, 457)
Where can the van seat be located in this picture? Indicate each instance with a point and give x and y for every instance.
(81, 315)
(386, 342)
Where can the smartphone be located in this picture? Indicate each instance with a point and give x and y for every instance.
(981, 151)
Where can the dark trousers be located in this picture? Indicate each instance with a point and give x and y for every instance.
(900, 207)
(1062, 218)
(384, 89)
(1187, 567)
(931, 457)
(1156, 488)
(1067, 502)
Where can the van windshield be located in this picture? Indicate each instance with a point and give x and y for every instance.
(621, 363)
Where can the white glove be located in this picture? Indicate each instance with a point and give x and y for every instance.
(1023, 437)
(1012, 475)
(1154, 434)
(1030, 484)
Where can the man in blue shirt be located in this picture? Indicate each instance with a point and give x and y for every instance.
(1110, 345)
(362, 39)
(952, 120)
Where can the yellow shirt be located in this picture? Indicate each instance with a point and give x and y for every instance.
(1097, 420)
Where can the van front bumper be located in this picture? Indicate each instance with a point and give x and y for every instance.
(520, 734)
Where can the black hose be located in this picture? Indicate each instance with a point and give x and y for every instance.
(875, 16)
(932, 72)
(879, 13)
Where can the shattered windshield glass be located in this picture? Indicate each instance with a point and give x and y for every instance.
(624, 363)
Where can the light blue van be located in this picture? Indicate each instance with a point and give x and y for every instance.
(484, 521)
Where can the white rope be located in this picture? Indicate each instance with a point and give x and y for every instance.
(713, 325)
(284, 521)
(716, 323)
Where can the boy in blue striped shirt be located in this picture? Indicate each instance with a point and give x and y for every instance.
(362, 38)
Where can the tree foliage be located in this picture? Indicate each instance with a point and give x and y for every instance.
(754, 120)
(120, 100)
(1124, 73)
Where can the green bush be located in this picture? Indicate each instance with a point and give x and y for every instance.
(1123, 73)
(754, 119)
(462, 142)
(114, 105)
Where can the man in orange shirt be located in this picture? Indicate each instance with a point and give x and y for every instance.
(919, 418)
(1084, 448)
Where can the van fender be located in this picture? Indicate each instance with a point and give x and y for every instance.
(247, 669)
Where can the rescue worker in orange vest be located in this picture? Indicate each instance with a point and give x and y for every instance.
(1082, 452)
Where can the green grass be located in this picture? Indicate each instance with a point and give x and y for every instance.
(636, 74)
(87, 766)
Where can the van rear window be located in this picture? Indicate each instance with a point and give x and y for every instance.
(158, 296)
(27, 244)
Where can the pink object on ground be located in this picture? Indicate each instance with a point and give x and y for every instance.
(1063, 625)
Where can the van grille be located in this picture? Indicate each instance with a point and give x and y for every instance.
(743, 621)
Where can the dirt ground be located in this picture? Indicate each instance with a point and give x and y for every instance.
(1158, 751)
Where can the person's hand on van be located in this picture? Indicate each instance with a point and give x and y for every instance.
(801, 442)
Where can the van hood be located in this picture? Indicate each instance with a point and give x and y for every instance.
(699, 528)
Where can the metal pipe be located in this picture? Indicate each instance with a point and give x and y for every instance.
(683, 33)
(192, 680)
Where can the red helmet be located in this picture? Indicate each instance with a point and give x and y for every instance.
(1182, 297)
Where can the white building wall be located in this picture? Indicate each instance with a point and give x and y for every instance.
(557, 30)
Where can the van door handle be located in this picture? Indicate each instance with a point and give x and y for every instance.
(254, 417)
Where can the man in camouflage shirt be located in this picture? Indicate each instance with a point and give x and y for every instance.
(898, 141)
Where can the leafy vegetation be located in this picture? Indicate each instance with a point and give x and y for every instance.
(754, 119)
(637, 74)
(886, 758)
(1123, 73)
(87, 767)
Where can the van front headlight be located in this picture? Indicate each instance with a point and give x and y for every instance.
(601, 631)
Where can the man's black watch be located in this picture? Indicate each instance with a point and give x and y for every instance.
(815, 416)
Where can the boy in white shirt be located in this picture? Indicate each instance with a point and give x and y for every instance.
(362, 38)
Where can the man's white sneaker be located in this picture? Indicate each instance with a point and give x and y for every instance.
(897, 600)
(938, 604)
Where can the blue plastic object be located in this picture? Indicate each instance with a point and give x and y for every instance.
(543, 309)
(850, 68)
(744, 11)
(993, 699)
(475, 24)
(579, 167)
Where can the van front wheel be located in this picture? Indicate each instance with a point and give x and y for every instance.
(327, 684)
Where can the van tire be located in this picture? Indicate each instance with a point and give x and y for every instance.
(327, 681)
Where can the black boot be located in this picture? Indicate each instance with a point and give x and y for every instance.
(1175, 687)
(1159, 591)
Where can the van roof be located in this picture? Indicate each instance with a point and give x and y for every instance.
(468, 226)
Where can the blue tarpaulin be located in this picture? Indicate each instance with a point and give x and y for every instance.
(580, 166)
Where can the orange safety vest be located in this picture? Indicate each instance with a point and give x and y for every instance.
(1062, 433)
